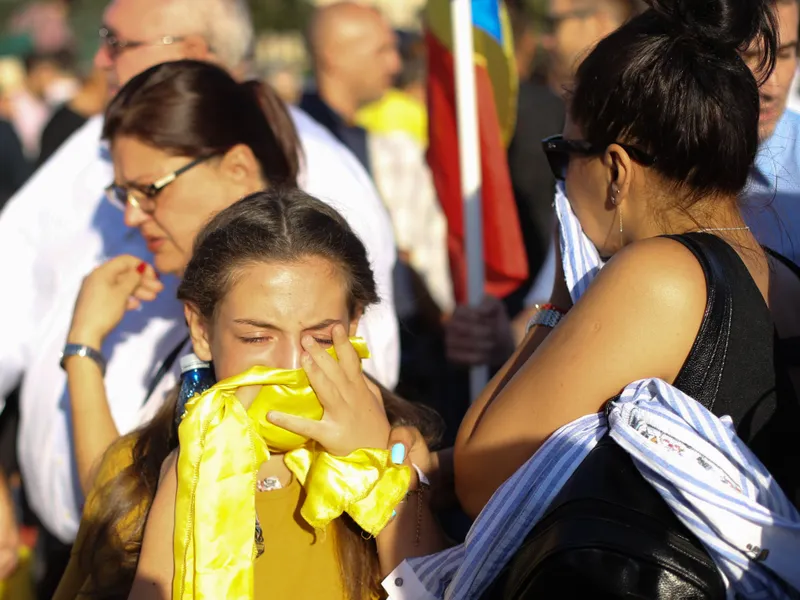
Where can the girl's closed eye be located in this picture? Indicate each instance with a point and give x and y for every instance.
(324, 341)
(255, 339)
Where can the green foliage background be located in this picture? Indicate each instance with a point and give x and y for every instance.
(274, 15)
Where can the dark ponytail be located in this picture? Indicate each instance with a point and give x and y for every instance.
(672, 82)
(281, 123)
(195, 109)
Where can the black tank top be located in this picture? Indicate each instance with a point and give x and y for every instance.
(766, 416)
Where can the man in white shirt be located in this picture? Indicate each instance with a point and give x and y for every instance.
(58, 228)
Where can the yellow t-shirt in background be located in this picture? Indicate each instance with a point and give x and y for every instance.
(396, 111)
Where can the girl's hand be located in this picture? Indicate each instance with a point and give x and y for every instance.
(119, 285)
(354, 417)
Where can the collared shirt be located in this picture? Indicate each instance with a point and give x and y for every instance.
(398, 168)
(58, 228)
(405, 184)
(710, 479)
(352, 136)
(771, 205)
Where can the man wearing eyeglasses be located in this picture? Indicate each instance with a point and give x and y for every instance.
(575, 23)
(772, 200)
(57, 229)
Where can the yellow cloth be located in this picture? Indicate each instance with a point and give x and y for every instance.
(396, 111)
(297, 563)
(221, 450)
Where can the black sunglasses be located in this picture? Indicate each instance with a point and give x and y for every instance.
(558, 151)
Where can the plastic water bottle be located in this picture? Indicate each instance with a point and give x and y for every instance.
(196, 377)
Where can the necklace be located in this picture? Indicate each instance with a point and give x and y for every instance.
(268, 484)
(725, 229)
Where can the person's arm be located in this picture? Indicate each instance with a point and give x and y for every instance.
(153, 580)
(32, 223)
(412, 532)
(106, 294)
(9, 530)
(638, 320)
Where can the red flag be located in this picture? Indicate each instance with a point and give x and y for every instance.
(506, 265)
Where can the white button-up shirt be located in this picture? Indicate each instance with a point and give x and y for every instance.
(58, 228)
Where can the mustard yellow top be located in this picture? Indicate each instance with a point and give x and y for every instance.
(296, 563)
(76, 582)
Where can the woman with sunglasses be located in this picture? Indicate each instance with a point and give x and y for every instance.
(662, 130)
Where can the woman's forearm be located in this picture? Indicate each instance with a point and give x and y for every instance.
(93, 428)
(476, 475)
(413, 532)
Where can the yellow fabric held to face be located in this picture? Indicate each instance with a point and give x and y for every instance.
(222, 447)
(287, 391)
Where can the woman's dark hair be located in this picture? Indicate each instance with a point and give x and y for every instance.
(282, 225)
(672, 82)
(196, 109)
(278, 224)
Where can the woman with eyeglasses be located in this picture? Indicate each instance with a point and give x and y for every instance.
(662, 130)
(187, 141)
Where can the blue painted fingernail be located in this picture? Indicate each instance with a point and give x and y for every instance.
(398, 454)
(394, 514)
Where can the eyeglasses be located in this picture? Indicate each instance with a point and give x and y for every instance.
(117, 46)
(558, 151)
(143, 197)
(551, 22)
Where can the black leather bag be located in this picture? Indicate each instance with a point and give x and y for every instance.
(608, 533)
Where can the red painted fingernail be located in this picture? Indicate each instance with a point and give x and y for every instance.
(142, 266)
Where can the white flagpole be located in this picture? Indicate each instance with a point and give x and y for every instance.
(469, 154)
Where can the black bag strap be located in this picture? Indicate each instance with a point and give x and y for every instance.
(701, 376)
(164, 368)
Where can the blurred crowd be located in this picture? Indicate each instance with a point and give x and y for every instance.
(360, 75)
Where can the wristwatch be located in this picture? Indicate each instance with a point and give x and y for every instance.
(85, 351)
(547, 315)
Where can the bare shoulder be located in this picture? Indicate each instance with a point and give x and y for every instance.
(657, 274)
(645, 308)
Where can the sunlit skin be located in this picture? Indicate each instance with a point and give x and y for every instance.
(184, 206)
(271, 311)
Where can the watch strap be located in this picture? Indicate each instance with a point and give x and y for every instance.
(548, 317)
(86, 352)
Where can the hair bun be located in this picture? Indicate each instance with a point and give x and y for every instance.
(732, 24)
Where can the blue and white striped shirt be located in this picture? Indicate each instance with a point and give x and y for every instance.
(711, 480)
